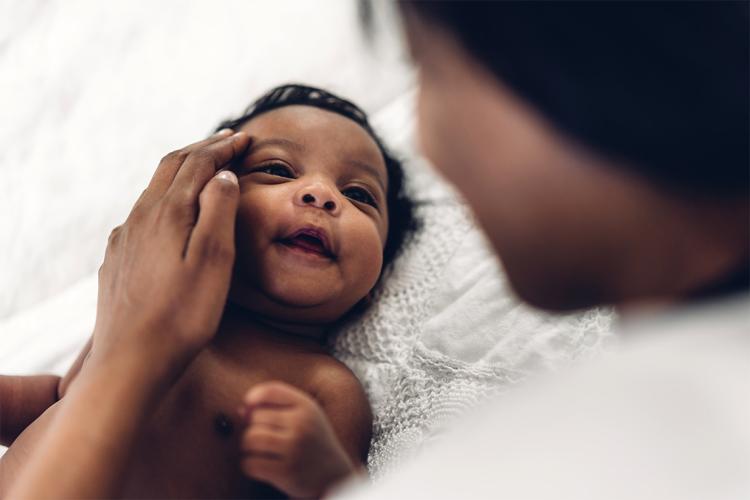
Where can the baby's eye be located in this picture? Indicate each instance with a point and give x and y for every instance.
(359, 194)
(277, 169)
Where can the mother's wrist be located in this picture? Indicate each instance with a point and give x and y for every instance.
(134, 385)
(148, 361)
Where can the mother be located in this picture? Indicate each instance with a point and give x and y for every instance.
(604, 149)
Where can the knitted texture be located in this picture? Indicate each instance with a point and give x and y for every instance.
(445, 331)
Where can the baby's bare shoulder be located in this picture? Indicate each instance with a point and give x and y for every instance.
(331, 380)
(343, 398)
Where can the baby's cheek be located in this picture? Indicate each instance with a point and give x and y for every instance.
(366, 256)
(254, 202)
(246, 231)
(254, 228)
(257, 213)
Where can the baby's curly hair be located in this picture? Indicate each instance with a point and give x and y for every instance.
(401, 217)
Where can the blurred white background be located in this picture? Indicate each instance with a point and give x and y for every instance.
(94, 93)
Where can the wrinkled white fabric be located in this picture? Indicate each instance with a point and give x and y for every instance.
(446, 331)
(667, 418)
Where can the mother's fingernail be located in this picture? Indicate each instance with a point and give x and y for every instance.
(227, 176)
(224, 132)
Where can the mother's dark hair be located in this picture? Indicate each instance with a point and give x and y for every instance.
(662, 86)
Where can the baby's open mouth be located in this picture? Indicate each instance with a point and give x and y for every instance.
(309, 240)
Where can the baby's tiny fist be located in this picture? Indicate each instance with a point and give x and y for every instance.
(242, 412)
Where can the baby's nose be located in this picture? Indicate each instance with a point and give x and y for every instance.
(319, 196)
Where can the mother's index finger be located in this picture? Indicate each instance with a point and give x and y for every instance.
(202, 163)
(170, 165)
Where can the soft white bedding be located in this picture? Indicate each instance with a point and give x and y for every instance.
(446, 331)
(94, 93)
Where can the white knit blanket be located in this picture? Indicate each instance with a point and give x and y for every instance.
(446, 331)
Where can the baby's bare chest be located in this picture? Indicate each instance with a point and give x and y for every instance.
(193, 440)
(191, 446)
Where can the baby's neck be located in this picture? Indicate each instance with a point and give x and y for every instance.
(242, 328)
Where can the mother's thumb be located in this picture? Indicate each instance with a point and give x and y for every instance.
(212, 239)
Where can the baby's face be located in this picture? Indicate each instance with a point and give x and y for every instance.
(312, 219)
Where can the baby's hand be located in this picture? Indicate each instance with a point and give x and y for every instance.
(289, 442)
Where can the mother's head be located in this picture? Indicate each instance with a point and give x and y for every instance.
(603, 145)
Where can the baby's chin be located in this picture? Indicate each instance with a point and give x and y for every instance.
(300, 304)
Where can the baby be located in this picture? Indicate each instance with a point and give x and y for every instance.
(264, 410)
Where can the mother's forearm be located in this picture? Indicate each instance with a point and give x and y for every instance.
(22, 400)
(169, 267)
(86, 449)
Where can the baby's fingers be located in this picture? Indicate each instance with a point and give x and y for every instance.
(278, 419)
(275, 394)
(267, 469)
(265, 442)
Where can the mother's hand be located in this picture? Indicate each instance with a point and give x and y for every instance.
(166, 272)
(162, 289)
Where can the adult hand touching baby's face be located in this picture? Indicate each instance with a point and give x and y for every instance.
(167, 269)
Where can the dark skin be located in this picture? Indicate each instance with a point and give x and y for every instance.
(269, 409)
(299, 392)
(24, 399)
(163, 246)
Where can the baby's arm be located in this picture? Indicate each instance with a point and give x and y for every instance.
(74, 369)
(24, 398)
(299, 446)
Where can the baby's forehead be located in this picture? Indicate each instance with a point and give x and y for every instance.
(316, 130)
